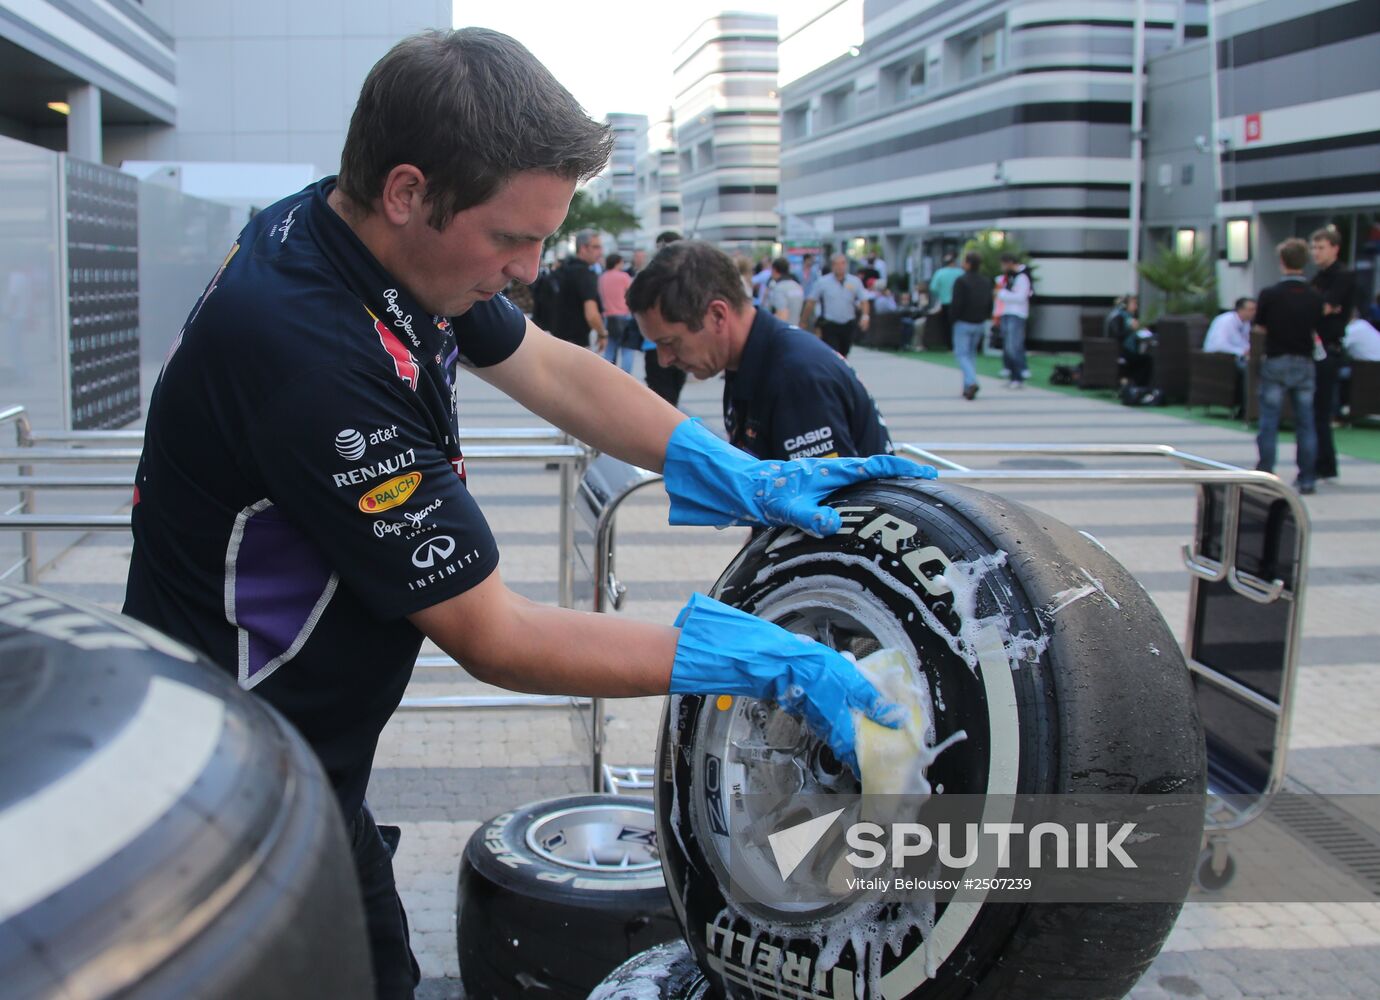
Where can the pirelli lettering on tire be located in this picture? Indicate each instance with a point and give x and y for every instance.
(386, 496)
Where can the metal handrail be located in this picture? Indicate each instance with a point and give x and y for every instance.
(532, 435)
(118, 456)
(496, 444)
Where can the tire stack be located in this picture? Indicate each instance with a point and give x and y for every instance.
(163, 835)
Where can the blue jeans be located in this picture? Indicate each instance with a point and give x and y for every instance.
(967, 338)
(615, 350)
(1292, 374)
(1013, 346)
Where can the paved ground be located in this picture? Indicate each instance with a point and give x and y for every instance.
(439, 775)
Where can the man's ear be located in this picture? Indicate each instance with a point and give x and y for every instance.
(719, 311)
(404, 194)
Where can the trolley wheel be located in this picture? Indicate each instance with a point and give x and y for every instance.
(1214, 877)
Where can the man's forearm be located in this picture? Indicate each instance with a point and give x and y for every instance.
(503, 638)
(558, 651)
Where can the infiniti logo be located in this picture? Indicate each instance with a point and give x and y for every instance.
(432, 551)
(350, 444)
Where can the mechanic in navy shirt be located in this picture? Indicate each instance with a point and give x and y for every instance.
(787, 394)
(301, 512)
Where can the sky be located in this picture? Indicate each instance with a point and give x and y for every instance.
(613, 55)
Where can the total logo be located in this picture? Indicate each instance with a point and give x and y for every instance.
(433, 551)
(350, 443)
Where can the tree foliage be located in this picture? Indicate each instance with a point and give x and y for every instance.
(991, 244)
(602, 216)
(1186, 281)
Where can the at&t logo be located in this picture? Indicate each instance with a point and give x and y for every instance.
(350, 444)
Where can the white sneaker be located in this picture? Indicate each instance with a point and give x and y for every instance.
(1025, 375)
(1004, 373)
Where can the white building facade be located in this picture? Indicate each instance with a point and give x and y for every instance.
(727, 130)
(913, 124)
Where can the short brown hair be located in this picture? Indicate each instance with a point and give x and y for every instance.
(683, 279)
(1328, 233)
(470, 109)
(1293, 253)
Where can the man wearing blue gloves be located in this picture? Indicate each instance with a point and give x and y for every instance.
(301, 512)
(787, 394)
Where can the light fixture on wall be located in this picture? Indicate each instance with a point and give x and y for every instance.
(61, 107)
(1238, 241)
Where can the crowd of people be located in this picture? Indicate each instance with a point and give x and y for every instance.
(583, 300)
(1312, 330)
(1305, 356)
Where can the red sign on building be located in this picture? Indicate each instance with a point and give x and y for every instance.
(1253, 128)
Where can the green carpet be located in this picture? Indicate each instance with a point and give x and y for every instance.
(1357, 442)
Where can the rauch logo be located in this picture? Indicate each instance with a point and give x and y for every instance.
(390, 494)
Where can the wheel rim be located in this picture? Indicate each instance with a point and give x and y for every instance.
(767, 755)
(612, 837)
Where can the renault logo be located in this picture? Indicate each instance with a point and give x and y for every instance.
(432, 551)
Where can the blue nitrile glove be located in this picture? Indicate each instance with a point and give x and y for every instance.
(722, 650)
(712, 482)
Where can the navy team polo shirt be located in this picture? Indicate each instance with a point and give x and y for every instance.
(793, 396)
(301, 488)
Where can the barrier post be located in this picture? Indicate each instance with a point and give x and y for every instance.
(565, 567)
(28, 540)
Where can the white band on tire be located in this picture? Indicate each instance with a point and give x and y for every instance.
(111, 798)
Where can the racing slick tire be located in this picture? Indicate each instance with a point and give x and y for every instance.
(1036, 644)
(554, 895)
(164, 835)
(666, 972)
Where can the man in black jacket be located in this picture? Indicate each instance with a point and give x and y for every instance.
(968, 310)
(1337, 286)
(1289, 311)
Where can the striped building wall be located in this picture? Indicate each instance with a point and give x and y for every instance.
(658, 182)
(727, 123)
(622, 166)
(954, 117)
(1298, 123)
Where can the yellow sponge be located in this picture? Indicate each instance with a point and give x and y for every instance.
(893, 761)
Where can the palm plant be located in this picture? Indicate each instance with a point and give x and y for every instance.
(1187, 282)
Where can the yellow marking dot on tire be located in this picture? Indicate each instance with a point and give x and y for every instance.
(724, 702)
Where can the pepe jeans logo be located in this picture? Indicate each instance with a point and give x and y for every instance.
(390, 494)
(432, 551)
(403, 321)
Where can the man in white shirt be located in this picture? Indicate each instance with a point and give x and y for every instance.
(1230, 333)
(1014, 290)
(1362, 341)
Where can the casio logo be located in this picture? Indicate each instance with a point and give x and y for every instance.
(809, 437)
